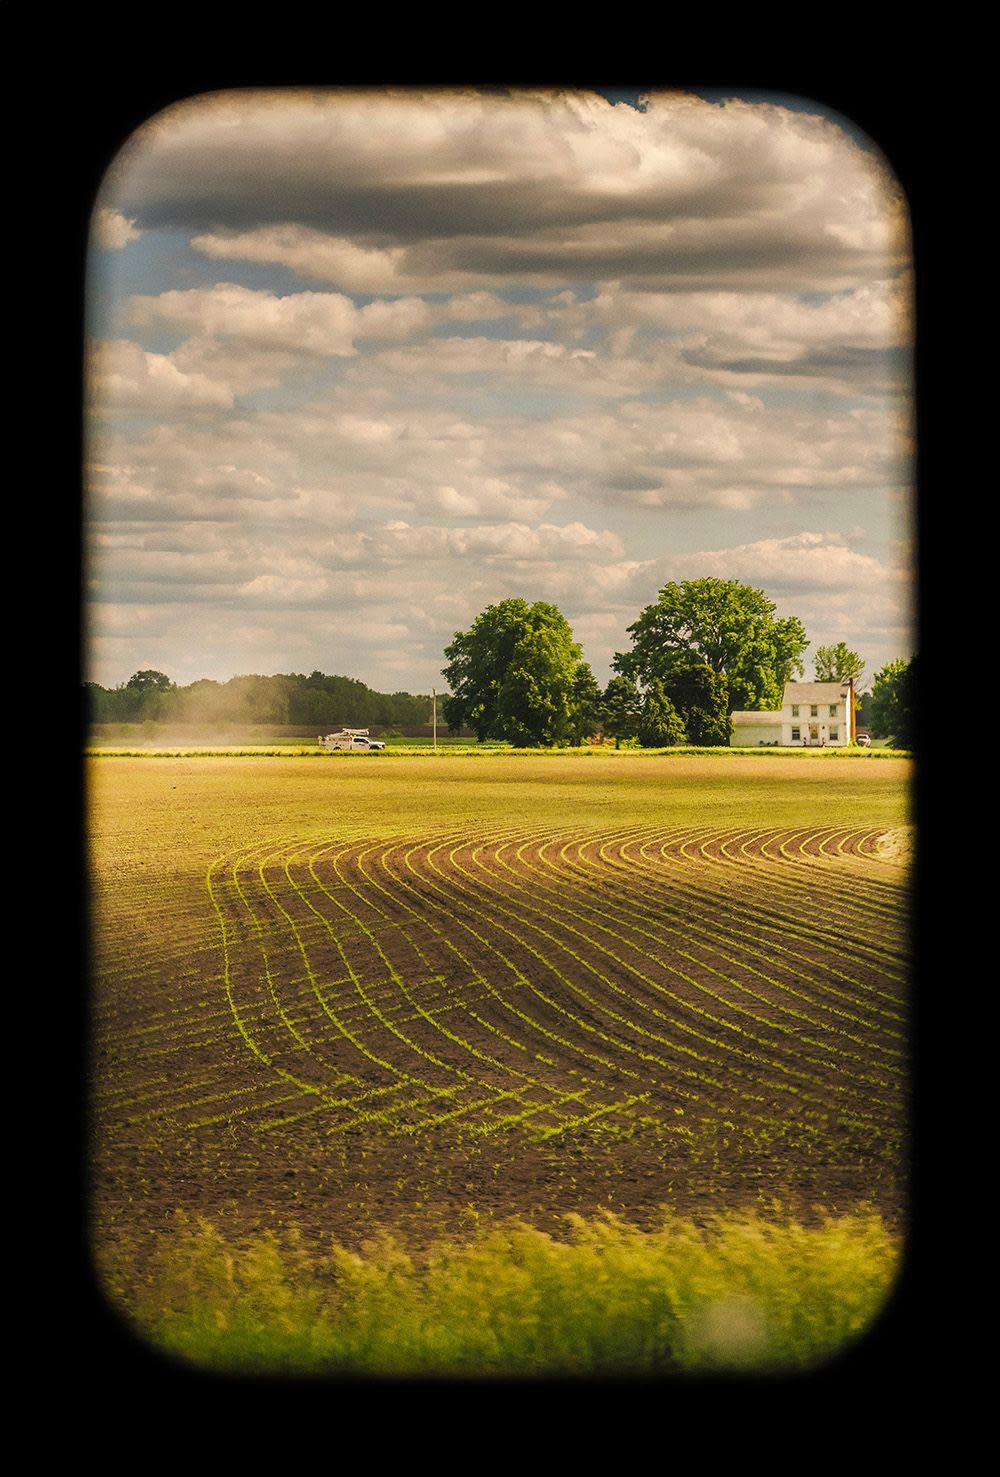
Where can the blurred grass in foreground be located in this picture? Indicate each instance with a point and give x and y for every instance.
(741, 1294)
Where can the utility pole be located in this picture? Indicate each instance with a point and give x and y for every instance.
(434, 715)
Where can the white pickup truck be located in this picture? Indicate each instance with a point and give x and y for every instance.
(351, 738)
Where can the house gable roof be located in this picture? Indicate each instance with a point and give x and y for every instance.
(815, 692)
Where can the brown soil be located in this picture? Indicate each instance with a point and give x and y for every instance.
(413, 1035)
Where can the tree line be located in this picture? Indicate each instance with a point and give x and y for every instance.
(703, 650)
(317, 702)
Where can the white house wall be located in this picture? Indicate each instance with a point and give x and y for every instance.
(824, 721)
(749, 735)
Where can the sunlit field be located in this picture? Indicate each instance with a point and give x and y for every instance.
(424, 748)
(518, 1065)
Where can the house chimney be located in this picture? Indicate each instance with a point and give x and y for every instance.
(851, 734)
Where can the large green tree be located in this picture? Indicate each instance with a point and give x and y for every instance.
(587, 715)
(149, 681)
(146, 695)
(622, 709)
(729, 626)
(660, 727)
(894, 703)
(837, 664)
(701, 698)
(513, 674)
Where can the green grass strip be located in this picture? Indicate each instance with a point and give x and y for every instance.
(740, 1293)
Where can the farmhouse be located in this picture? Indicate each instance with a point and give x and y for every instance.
(812, 713)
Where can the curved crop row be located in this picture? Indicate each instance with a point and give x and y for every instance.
(546, 981)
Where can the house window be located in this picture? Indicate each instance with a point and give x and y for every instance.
(795, 710)
(814, 711)
(796, 733)
(833, 710)
(835, 733)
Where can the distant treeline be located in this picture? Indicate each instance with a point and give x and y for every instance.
(316, 702)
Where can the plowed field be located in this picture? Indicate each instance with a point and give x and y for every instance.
(375, 1030)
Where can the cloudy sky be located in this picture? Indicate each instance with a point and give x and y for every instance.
(364, 362)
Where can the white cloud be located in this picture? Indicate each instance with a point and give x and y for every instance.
(590, 331)
(850, 342)
(303, 322)
(112, 230)
(802, 562)
(124, 377)
(360, 449)
(309, 253)
(516, 541)
(407, 192)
